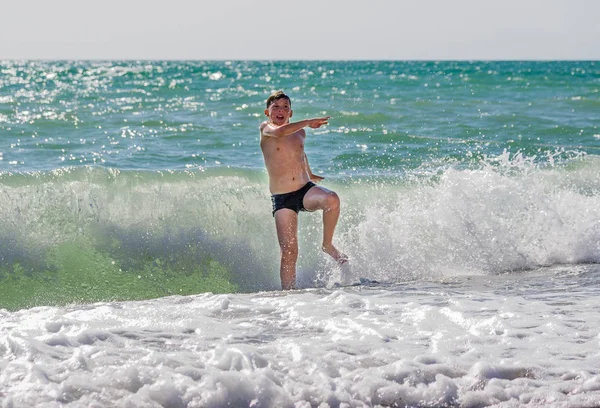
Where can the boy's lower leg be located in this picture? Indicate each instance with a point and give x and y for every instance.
(286, 222)
(319, 198)
(330, 218)
(287, 271)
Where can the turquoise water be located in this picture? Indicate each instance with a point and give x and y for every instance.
(386, 116)
(133, 180)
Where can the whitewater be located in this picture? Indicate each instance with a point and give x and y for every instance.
(509, 341)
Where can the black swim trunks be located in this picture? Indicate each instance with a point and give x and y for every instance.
(292, 200)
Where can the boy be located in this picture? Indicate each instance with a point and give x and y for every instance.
(291, 183)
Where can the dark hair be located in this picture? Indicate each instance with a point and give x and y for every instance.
(275, 96)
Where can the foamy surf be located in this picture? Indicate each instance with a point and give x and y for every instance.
(523, 340)
(148, 234)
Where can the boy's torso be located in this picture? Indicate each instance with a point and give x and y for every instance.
(284, 159)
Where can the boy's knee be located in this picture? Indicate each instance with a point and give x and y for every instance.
(333, 201)
(289, 251)
(289, 258)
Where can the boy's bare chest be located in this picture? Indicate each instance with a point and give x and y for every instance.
(288, 144)
(295, 141)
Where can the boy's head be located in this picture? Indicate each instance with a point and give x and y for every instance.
(275, 96)
(279, 108)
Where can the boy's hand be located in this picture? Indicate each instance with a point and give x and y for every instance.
(315, 178)
(318, 122)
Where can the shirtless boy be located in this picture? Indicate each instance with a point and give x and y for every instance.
(292, 184)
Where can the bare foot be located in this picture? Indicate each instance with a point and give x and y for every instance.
(340, 257)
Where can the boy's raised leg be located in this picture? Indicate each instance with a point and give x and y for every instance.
(320, 198)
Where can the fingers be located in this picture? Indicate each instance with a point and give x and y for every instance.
(318, 122)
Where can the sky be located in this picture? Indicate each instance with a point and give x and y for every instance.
(305, 29)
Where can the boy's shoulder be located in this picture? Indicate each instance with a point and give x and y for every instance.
(262, 128)
(263, 124)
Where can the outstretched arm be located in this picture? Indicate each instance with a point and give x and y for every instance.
(272, 130)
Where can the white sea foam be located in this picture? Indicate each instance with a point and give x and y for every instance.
(486, 220)
(517, 340)
(506, 214)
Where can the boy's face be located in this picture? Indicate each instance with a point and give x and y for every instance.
(280, 112)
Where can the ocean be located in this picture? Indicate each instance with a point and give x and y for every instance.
(139, 260)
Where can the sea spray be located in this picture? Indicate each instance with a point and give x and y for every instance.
(507, 213)
(188, 232)
(89, 234)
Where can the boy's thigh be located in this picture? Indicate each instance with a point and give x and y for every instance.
(286, 222)
(316, 198)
